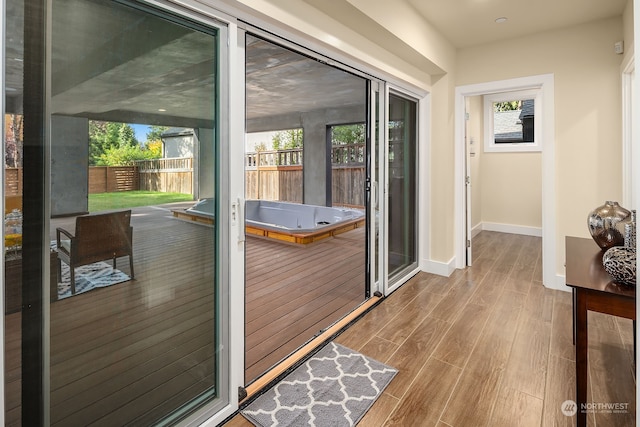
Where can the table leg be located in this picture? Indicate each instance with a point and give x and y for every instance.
(581, 356)
(573, 313)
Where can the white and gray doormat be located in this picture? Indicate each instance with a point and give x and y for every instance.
(336, 387)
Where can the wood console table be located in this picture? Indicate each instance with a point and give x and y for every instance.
(593, 290)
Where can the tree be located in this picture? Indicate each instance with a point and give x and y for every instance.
(260, 147)
(129, 154)
(104, 136)
(507, 106)
(287, 139)
(348, 134)
(155, 133)
(127, 136)
(154, 149)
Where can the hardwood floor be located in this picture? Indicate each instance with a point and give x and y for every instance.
(490, 346)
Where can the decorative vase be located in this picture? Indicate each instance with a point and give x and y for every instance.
(630, 231)
(602, 223)
(620, 262)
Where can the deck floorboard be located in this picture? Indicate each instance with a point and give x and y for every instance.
(127, 352)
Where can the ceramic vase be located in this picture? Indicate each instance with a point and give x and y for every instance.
(602, 222)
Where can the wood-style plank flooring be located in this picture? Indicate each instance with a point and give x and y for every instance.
(490, 346)
(125, 353)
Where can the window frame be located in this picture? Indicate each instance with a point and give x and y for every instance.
(490, 145)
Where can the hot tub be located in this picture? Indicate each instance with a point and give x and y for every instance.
(204, 207)
(203, 211)
(298, 223)
(291, 222)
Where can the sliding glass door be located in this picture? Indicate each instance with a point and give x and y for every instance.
(306, 182)
(114, 304)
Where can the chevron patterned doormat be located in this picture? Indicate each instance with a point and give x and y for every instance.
(336, 387)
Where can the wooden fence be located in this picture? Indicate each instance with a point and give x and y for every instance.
(110, 179)
(104, 179)
(341, 155)
(347, 186)
(167, 175)
(291, 157)
(269, 175)
(282, 183)
(277, 175)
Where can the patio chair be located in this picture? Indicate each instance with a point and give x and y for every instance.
(98, 237)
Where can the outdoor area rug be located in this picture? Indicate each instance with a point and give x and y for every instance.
(88, 277)
(335, 387)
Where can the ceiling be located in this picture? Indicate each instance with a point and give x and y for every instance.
(132, 66)
(467, 23)
(280, 81)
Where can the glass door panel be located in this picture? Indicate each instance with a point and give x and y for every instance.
(402, 197)
(134, 325)
(376, 226)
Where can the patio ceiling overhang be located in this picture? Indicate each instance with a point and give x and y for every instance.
(129, 67)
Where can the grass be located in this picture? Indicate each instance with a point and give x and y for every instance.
(130, 199)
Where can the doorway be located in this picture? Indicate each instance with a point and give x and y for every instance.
(462, 231)
(306, 244)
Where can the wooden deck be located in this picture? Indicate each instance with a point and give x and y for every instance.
(295, 291)
(128, 352)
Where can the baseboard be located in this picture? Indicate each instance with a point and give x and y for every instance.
(512, 229)
(560, 284)
(476, 230)
(439, 268)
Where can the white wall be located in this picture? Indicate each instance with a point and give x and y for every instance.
(440, 230)
(627, 27)
(511, 190)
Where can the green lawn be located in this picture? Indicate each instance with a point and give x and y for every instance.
(130, 199)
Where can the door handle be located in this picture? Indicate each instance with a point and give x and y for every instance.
(240, 213)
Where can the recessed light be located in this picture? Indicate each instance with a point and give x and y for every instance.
(501, 20)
